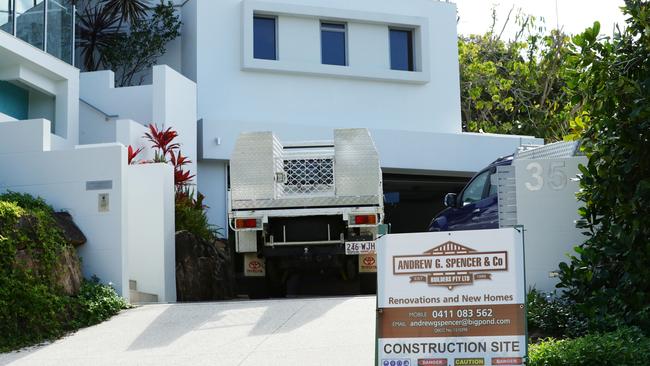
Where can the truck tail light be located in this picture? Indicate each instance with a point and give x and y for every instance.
(365, 220)
(245, 223)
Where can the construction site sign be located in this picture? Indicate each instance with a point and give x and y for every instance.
(451, 298)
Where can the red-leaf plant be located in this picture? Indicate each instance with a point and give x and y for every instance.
(133, 154)
(164, 145)
(162, 141)
(181, 177)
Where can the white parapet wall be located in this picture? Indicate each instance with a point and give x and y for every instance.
(126, 212)
(52, 84)
(151, 234)
(170, 101)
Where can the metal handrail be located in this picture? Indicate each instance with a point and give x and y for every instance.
(106, 115)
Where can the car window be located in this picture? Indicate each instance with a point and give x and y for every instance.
(474, 191)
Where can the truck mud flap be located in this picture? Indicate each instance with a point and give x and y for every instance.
(368, 263)
(254, 266)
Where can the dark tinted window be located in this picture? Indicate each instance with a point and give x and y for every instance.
(333, 44)
(264, 46)
(401, 50)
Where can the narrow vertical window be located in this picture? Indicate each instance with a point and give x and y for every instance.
(401, 50)
(264, 42)
(333, 49)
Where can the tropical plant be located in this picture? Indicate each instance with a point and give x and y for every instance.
(182, 178)
(132, 154)
(190, 212)
(126, 10)
(125, 36)
(162, 141)
(96, 29)
(191, 216)
(609, 276)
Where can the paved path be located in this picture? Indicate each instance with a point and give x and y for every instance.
(320, 331)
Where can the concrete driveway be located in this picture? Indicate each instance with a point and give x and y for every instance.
(318, 331)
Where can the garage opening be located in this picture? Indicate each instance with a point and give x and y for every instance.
(411, 201)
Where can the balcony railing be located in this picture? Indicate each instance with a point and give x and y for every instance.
(46, 24)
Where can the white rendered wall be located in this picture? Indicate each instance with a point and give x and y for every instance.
(231, 92)
(60, 177)
(25, 136)
(133, 239)
(23, 63)
(213, 183)
(189, 37)
(6, 118)
(130, 133)
(135, 102)
(406, 151)
(94, 126)
(151, 249)
(174, 105)
(169, 102)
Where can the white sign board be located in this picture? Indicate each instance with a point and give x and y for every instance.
(451, 298)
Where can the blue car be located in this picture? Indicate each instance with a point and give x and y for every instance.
(475, 207)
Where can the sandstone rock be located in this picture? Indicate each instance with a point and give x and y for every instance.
(67, 269)
(71, 232)
(203, 269)
(68, 272)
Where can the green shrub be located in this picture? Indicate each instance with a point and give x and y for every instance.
(26, 201)
(609, 274)
(96, 302)
(552, 316)
(624, 347)
(191, 216)
(32, 307)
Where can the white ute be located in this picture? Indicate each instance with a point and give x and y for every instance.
(312, 206)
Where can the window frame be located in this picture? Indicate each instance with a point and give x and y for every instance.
(411, 67)
(275, 36)
(419, 24)
(344, 30)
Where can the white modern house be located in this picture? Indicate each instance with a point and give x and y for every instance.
(56, 144)
(300, 68)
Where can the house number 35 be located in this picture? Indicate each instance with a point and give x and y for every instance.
(556, 177)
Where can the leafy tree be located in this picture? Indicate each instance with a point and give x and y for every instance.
(125, 36)
(515, 86)
(132, 52)
(610, 275)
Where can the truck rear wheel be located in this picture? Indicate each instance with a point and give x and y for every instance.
(275, 278)
(368, 283)
(257, 288)
(351, 267)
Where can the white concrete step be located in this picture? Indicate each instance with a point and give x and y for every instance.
(137, 297)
